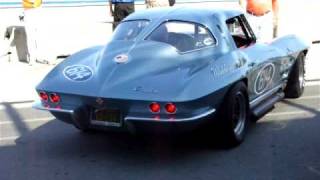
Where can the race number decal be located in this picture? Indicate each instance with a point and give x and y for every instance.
(78, 73)
(264, 78)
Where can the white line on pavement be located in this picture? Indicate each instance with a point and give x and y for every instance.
(10, 138)
(312, 83)
(45, 119)
(289, 113)
(309, 97)
(17, 106)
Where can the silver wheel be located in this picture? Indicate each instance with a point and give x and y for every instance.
(301, 77)
(296, 81)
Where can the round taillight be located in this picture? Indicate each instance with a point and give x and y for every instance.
(171, 108)
(55, 98)
(154, 107)
(43, 96)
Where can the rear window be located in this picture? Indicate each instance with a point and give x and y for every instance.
(184, 36)
(129, 30)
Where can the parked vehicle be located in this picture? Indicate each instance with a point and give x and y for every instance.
(176, 68)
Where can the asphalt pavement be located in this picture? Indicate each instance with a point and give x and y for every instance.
(284, 144)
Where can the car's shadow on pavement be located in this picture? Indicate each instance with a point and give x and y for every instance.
(282, 146)
(64, 141)
(60, 139)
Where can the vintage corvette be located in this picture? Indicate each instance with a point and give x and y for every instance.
(176, 68)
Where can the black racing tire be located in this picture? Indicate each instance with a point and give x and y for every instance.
(296, 80)
(234, 116)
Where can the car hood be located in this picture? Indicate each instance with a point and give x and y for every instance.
(127, 70)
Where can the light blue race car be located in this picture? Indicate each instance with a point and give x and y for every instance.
(174, 69)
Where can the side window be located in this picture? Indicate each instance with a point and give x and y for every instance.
(240, 34)
(184, 36)
(247, 28)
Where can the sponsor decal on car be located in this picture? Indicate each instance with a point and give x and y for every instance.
(145, 90)
(219, 70)
(78, 73)
(121, 58)
(208, 41)
(264, 78)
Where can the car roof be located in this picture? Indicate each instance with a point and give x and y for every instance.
(193, 14)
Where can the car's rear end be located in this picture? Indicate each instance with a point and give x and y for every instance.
(137, 81)
(122, 115)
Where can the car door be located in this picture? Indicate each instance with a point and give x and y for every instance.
(261, 58)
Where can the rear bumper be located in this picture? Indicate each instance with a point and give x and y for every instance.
(172, 119)
(38, 105)
(131, 122)
(168, 124)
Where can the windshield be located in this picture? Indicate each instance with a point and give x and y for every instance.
(129, 30)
